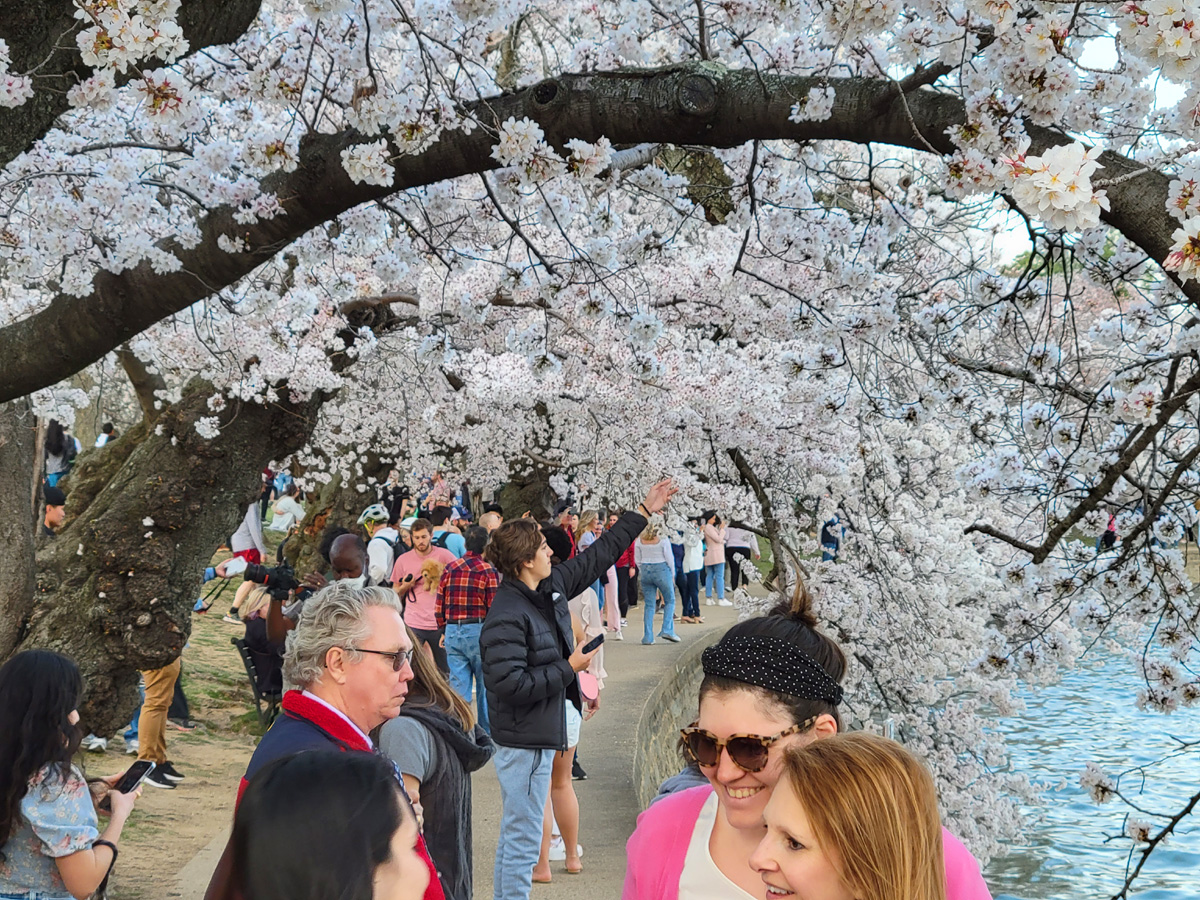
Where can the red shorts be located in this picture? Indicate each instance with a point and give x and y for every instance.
(251, 556)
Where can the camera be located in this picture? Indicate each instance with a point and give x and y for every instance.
(280, 581)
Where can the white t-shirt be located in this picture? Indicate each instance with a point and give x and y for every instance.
(700, 878)
(381, 554)
(249, 535)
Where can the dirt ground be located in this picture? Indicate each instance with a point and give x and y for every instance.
(168, 828)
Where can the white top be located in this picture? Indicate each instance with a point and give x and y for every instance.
(700, 878)
(586, 608)
(660, 552)
(249, 534)
(740, 537)
(693, 549)
(337, 712)
(287, 513)
(101, 439)
(381, 554)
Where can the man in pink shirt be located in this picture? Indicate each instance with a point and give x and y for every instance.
(412, 588)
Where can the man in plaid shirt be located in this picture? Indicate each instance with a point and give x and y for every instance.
(463, 596)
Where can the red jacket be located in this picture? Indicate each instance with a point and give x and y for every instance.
(626, 559)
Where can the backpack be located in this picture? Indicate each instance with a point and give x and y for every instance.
(398, 546)
(442, 540)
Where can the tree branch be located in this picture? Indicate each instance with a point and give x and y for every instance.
(690, 104)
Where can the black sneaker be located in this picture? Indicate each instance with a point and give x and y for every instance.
(182, 724)
(169, 772)
(159, 780)
(577, 773)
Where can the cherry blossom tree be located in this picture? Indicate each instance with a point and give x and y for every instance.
(749, 243)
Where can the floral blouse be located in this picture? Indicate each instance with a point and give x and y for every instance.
(57, 819)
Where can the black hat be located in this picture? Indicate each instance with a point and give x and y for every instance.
(564, 506)
(54, 496)
(560, 543)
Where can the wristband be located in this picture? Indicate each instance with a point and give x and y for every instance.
(644, 508)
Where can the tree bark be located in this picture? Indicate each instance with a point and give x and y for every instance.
(18, 440)
(41, 36)
(145, 383)
(338, 502)
(690, 104)
(116, 593)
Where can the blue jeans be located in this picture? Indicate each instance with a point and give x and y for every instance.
(716, 576)
(524, 786)
(691, 593)
(462, 653)
(656, 579)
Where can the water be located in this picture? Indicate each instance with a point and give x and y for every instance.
(1089, 717)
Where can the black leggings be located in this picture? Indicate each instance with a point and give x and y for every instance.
(432, 638)
(623, 590)
(735, 555)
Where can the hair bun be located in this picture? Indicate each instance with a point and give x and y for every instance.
(799, 608)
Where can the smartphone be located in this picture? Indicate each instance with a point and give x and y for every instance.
(130, 780)
(593, 643)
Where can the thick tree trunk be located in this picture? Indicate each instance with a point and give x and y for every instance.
(116, 587)
(527, 491)
(18, 440)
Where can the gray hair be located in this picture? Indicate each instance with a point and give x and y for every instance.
(333, 617)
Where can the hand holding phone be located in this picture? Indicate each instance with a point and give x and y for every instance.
(128, 782)
(594, 643)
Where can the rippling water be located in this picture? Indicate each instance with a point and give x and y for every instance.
(1089, 717)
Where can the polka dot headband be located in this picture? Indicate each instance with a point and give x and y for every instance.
(771, 663)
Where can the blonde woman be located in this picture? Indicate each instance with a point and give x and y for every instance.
(854, 817)
(656, 565)
(591, 526)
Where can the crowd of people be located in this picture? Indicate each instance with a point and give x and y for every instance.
(434, 644)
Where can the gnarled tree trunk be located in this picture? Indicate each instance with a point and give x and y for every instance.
(116, 587)
(18, 439)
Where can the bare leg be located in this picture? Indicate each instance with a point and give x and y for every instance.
(541, 872)
(566, 807)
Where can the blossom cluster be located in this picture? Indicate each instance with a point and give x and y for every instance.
(1057, 187)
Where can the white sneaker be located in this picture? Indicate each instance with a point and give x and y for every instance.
(131, 747)
(725, 603)
(709, 602)
(617, 636)
(94, 744)
(558, 850)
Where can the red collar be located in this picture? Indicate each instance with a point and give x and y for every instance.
(301, 707)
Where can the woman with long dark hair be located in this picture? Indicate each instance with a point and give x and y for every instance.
(60, 452)
(50, 843)
(437, 745)
(324, 825)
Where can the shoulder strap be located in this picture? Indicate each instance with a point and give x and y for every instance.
(442, 540)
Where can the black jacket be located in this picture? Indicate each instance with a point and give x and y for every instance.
(527, 637)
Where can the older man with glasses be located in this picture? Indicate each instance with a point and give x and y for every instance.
(349, 661)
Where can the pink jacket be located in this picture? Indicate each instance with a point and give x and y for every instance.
(714, 545)
(659, 845)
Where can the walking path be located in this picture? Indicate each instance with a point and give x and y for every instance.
(608, 804)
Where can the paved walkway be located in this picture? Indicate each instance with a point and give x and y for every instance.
(607, 801)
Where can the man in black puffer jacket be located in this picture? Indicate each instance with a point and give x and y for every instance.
(530, 671)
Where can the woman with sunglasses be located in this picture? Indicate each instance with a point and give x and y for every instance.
(770, 684)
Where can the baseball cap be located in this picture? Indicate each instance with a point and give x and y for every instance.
(376, 512)
(54, 496)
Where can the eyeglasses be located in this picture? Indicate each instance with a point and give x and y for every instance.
(748, 752)
(399, 657)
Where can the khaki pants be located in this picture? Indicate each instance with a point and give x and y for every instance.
(152, 724)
